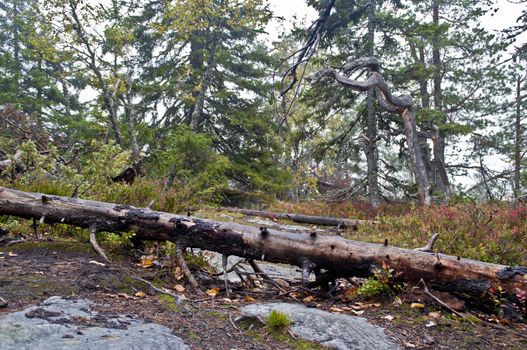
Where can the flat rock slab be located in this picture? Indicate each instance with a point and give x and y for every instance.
(58, 323)
(283, 271)
(330, 330)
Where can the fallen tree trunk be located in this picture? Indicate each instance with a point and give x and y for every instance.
(339, 256)
(306, 219)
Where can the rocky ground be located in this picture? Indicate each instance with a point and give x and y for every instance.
(32, 272)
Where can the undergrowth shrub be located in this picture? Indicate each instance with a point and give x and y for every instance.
(492, 232)
(378, 284)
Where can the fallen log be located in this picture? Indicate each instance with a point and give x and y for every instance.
(340, 257)
(306, 219)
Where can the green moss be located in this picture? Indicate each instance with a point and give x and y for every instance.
(170, 302)
(216, 314)
(193, 336)
(59, 245)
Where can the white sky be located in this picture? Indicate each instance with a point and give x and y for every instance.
(505, 17)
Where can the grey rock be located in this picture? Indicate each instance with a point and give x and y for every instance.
(328, 329)
(59, 323)
(283, 271)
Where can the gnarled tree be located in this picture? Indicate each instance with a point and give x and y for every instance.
(401, 105)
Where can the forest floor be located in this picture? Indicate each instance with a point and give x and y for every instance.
(32, 271)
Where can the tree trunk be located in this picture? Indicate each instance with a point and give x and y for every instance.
(197, 112)
(517, 140)
(441, 181)
(17, 49)
(416, 157)
(370, 142)
(129, 111)
(339, 256)
(307, 219)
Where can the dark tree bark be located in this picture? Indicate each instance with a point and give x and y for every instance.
(441, 181)
(130, 118)
(370, 142)
(197, 112)
(339, 256)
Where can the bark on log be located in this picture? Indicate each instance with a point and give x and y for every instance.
(306, 219)
(340, 256)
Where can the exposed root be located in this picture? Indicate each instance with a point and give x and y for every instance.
(443, 304)
(95, 245)
(184, 267)
(157, 289)
(224, 261)
(35, 228)
(231, 269)
(259, 272)
(429, 247)
(15, 241)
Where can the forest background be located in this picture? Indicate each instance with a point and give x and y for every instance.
(182, 100)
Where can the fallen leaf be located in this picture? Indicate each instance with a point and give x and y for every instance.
(147, 261)
(358, 313)
(430, 324)
(12, 254)
(179, 288)
(308, 299)
(178, 273)
(124, 295)
(388, 317)
(350, 293)
(227, 300)
(435, 315)
(213, 292)
(249, 298)
(140, 294)
(409, 345)
(362, 306)
(335, 309)
(417, 306)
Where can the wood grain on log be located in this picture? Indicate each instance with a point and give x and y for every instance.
(340, 256)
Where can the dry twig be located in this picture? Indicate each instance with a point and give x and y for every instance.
(95, 245)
